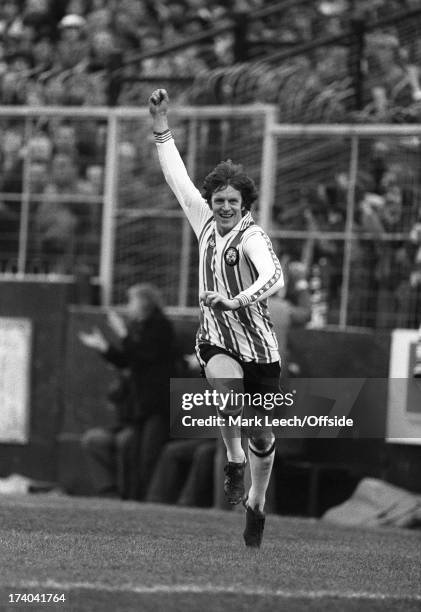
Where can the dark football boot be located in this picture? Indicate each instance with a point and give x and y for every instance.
(255, 524)
(234, 482)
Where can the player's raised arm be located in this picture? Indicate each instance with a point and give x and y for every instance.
(172, 165)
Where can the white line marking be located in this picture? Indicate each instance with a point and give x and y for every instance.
(210, 589)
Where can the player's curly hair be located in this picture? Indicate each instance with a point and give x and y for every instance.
(227, 173)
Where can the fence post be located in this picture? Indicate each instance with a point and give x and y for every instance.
(268, 170)
(106, 266)
(240, 36)
(349, 228)
(355, 60)
(25, 202)
(185, 257)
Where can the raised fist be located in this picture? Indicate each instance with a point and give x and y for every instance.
(158, 102)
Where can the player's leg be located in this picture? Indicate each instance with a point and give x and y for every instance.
(263, 381)
(261, 452)
(225, 375)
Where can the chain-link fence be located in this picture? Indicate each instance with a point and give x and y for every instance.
(82, 193)
(348, 205)
(51, 200)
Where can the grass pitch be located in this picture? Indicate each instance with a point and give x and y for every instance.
(113, 556)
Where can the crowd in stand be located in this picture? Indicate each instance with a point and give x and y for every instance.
(61, 166)
(82, 52)
(63, 177)
(385, 271)
(64, 52)
(67, 51)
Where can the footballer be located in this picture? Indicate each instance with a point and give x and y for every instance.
(235, 343)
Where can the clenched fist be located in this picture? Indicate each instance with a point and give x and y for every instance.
(158, 102)
(212, 299)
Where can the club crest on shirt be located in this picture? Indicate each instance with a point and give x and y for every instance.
(231, 256)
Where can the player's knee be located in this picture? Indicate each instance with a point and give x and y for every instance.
(223, 369)
(262, 441)
(229, 410)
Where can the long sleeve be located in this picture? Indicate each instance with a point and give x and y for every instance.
(259, 251)
(116, 356)
(175, 173)
(143, 344)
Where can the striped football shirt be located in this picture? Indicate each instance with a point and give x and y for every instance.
(241, 264)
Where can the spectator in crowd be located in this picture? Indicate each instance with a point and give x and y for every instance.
(40, 148)
(38, 177)
(95, 178)
(37, 15)
(388, 210)
(131, 187)
(415, 238)
(64, 139)
(147, 349)
(11, 186)
(408, 294)
(184, 474)
(291, 306)
(12, 142)
(64, 219)
(103, 49)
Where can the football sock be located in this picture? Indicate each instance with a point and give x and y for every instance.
(232, 441)
(261, 463)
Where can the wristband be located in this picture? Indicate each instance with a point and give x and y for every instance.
(243, 299)
(161, 137)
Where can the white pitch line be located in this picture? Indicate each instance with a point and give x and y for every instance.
(212, 589)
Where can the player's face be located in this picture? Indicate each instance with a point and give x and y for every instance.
(227, 208)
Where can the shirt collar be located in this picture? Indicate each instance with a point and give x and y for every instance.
(243, 224)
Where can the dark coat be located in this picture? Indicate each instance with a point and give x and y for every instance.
(149, 353)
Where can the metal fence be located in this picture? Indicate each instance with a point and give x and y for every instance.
(348, 204)
(82, 193)
(53, 203)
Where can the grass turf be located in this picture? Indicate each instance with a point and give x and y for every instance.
(113, 556)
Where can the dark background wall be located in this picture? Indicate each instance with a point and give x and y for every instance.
(70, 383)
(45, 305)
